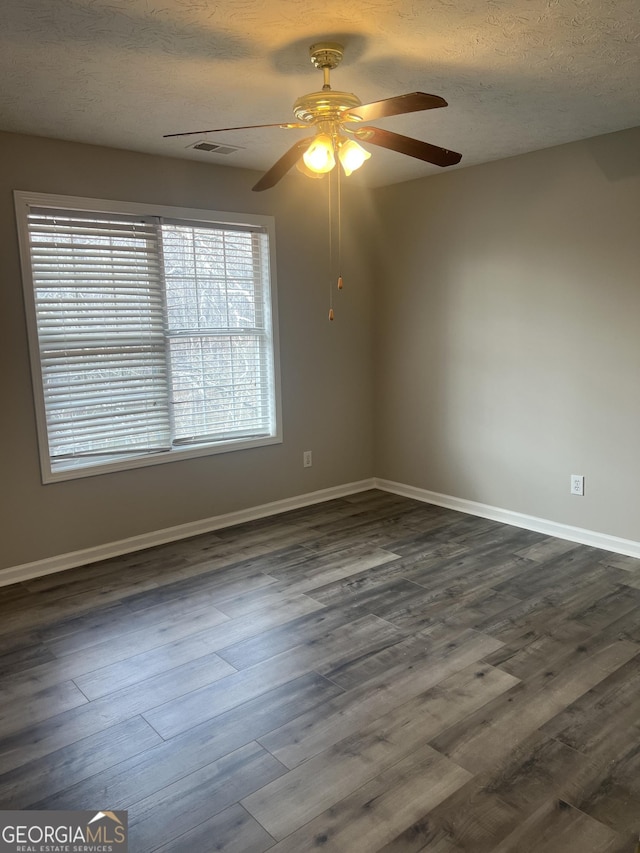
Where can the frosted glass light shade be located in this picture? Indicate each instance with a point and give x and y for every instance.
(319, 156)
(352, 156)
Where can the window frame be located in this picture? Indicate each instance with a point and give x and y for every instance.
(195, 216)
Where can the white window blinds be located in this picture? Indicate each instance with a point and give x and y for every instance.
(153, 334)
(99, 310)
(217, 332)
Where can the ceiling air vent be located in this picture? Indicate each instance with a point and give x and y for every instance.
(214, 148)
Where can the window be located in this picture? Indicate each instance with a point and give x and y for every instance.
(151, 332)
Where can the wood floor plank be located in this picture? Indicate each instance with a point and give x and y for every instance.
(549, 547)
(95, 580)
(161, 625)
(261, 600)
(381, 533)
(325, 651)
(24, 658)
(144, 774)
(490, 734)
(472, 569)
(75, 578)
(405, 844)
(620, 561)
(362, 516)
(247, 535)
(558, 612)
(538, 769)
(55, 615)
(543, 635)
(470, 819)
(303, 793)
(613, 605)
(65, 728)
(577, 563)
(116, 676)
(486, 533)
(306, 632)
(613, 795)
(442, 650)
(16, 643)
(194, 798)
(321, 781)
(41, 705)
(231, 831)
(491, 806)
(451, 606)
(462, 599)
(319, 570)
(218, 585)
(556, 827)
(375, 813)
(397, 592)
(380, 662)
(43, 777)
(600, 723)
(604, 717)
(22, 682)
(470, 688)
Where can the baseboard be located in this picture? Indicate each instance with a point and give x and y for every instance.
(60, 563)
(617, 545)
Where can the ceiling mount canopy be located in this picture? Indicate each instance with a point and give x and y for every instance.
(326, 54)
(337, 120)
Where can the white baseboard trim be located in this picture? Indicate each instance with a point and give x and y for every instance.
(60, 563)
(48, 566)
(617, 545)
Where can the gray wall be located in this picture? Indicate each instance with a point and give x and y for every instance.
(508, 333)
(326, 368)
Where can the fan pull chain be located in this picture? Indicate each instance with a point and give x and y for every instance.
(330, 249)
(339, 229)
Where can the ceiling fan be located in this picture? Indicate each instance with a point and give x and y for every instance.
(337, 118)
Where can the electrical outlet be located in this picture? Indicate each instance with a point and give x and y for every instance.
(307, 459)
(577, 484)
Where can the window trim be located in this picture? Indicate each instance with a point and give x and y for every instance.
(23, 202)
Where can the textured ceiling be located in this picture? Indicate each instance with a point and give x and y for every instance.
(519, 75)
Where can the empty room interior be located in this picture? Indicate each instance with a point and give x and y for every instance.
(321, 491)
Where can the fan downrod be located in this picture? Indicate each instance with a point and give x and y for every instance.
(326, 105)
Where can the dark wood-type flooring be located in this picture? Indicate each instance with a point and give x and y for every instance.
(368, 674)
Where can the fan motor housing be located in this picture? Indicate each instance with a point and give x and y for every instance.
(325, 106)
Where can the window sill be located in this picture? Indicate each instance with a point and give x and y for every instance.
(126, 463)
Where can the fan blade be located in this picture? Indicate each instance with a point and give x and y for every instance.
(221, 129)
(407, 145)
(410, 103)
(282, 166)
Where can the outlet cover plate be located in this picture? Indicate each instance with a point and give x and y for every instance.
(577, 484)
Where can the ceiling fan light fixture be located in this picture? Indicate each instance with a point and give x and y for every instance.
(319, 156)
(351, 155)
(335, 116)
